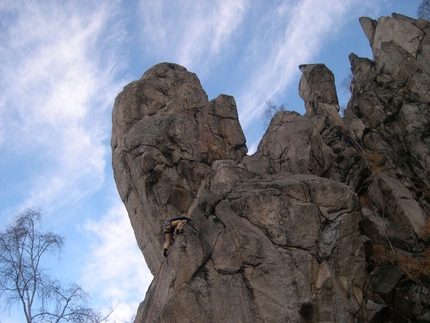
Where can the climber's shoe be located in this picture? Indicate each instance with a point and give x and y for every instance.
(165, 252)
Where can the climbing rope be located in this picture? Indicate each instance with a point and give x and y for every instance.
(157, 289)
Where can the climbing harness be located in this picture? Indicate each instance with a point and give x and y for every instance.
(169, 230)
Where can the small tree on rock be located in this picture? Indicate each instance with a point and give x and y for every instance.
(23, 280)
(270, 111)
(424, 10)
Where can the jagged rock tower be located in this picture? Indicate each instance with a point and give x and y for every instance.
(326, 222)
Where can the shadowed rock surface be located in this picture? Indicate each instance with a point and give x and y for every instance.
(326, 222)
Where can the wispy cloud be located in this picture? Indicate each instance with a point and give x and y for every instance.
(275, 38)
(61, 65)
(308, 26)
(54, 98)
(116, 271)
(189, 32)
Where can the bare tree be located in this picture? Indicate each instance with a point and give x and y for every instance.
(23, 280)
(424, 10)
(345, 83)
(270, 111)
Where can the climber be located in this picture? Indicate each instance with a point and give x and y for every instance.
(169, 228)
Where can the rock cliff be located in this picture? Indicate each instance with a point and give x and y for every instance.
(326, 222)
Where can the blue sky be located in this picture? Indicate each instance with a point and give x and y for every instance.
(62, 63)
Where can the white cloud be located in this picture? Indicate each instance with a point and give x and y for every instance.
(57, 89)
(116, 270)
(274, 38)
(59, 77)
(307, 27)
(190, 33)
(252, 148)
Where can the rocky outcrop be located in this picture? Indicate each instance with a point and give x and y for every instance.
(326, 222)
(389, 117)
(165, 137)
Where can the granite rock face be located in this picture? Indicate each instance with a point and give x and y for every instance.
(326, 222)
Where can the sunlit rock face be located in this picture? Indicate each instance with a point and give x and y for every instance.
(166, 135)
(326, 222)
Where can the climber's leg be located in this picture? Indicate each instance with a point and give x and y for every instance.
(175, 225)
(167, 238)
(180, 226)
